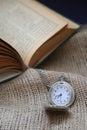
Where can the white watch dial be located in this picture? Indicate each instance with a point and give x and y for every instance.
(61, 94)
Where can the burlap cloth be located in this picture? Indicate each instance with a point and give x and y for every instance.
(22, 99)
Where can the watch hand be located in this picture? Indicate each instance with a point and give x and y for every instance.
(57, 96)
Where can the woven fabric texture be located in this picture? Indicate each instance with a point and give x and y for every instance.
(22, 99)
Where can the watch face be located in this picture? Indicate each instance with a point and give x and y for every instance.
(61, 94)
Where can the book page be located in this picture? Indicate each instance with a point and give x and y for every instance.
(25, 27)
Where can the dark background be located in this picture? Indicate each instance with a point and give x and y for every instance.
(76, 10)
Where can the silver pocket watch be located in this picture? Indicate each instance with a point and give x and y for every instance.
(61, 95)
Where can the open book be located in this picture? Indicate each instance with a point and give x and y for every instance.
(29, 32)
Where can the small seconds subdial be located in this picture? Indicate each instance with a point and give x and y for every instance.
(61, 94)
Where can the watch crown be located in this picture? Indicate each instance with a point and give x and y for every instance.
(63, 78)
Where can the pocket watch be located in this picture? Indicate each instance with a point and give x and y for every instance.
(61, 96)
